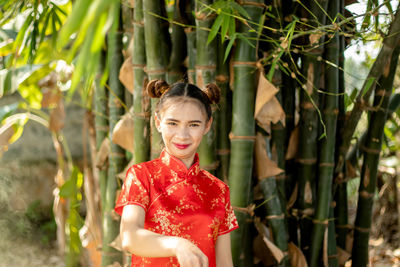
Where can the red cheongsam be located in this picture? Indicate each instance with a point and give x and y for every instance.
(189, 203)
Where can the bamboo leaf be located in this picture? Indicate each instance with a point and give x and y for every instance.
(224, 27)
(235, 6)
(368, 85)
(232, 26)
(215, 28)
(229, 46)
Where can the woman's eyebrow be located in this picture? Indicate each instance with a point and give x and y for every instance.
(195, 121)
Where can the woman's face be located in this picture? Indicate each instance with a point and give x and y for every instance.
(182, 126)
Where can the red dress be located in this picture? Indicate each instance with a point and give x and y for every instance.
(189, 203)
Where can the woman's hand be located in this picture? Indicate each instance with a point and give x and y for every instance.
(189, 255)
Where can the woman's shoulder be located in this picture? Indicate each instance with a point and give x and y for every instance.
(215, 180)
(143, 167)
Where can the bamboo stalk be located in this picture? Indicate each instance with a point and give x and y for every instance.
(225, 115)
(242, 139)
(117, 155)
(371, 151)
(206, 64)
(176, 68)
(388, 45)
(308, 128)
(155, 59)
(326, 145)
(141, 102)
(341, 207)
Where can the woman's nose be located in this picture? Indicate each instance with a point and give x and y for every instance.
(183, 132)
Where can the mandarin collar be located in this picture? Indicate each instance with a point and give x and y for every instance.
(178, 166)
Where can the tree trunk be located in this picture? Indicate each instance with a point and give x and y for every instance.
(243, 136)
(117, 154)
(141, 101)
(371, 151)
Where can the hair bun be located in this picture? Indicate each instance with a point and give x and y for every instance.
(213, 93)
(156, 88)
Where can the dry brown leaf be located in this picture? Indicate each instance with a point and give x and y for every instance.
(293, 197)
(308, 197)
(293, 144)
(262, 230)
(122, 134)
(265, 166)
(117, 243)
(297, 258)
(314, 38)
(265, 91)
(51, 97)
(351, 171)
(271, 112)
(126, 74)
(103, 152)
(262, 252)
(57, 118)
(343, 256)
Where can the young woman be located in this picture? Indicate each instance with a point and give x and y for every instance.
(172, 212)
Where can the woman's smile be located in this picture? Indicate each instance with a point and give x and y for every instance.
(181, 146)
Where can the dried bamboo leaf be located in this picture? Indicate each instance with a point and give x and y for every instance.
(117, 243)
(102, 155)
(262, 230)
(297, 257)
(293, 144)
(265, 167)
(308, 197)
(314, 38)
(265, 91)
(51, 97)
(325, 248)
(262, 252)
(126, 74)
(270, 112)
(57, 118)
(122, 134)
(351, 171)
(343, 256)
(293, 197)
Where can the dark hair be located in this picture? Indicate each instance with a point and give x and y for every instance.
(161, 89)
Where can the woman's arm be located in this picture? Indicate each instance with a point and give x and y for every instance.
(223, 251)
(145, 243)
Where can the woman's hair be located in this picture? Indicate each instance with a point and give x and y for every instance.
(161, 89)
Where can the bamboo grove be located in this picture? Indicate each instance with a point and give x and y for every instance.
(283, 137)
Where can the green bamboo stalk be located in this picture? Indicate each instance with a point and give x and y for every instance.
(206, 64)
(243, 131)
(191, 52)
(275, 214)
(101, 124)
(141, 102)
(155, 59)
(308, 127)
(388, 45)
(117, 154)
(176, 68)
(332, 249)
(341, 207)
(371, 151)
(327, 144)
(225, 115)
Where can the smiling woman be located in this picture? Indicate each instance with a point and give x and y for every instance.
(173, 212)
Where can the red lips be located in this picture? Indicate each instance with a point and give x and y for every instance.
(181, 146)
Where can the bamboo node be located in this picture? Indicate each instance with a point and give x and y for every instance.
(344, 226)
(145, 115)
(212, 166)
(205, 67)
(327, 164)
(222, 152)
(248, 210)
(324, 222)
(155, 71)
(273, 217)
(232, 136)
(362, 229)
(138, 23)
(250, 3)
(221, 78)
(138, 66)
(366, 194)
(245, 63)
(281, 176)
(117, 155)
(370, 150)
(307, 161)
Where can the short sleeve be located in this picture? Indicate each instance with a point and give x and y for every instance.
(135, 190)
(229, 222)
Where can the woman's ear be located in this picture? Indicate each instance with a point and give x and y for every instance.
(208, 125)
(157, 122)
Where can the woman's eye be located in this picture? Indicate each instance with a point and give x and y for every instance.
(171, 123)
(194, 125)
